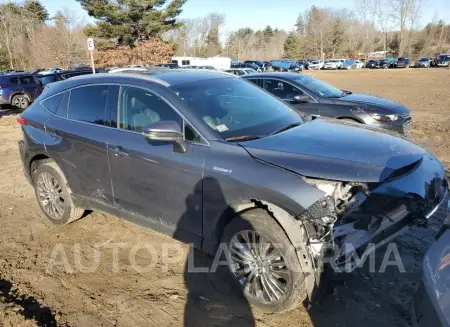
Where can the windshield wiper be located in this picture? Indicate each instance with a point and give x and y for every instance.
(242, 138)
(284, 128)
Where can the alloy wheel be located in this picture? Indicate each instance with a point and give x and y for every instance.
(20, 102)
(50, 195)
(258, 266)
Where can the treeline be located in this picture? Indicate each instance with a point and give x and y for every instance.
(150, 32)
(30, 38)
(394, 26)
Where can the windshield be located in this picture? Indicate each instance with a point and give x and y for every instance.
(332, 60)
(444, 57)
(315, 62)
(234, 107)
(424, 59)
(318, 87)
(403, 59)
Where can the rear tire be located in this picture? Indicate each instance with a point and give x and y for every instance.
(269, 276)
(54, 195)
(20, 101)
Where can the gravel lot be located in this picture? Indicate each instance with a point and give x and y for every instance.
(35, 293)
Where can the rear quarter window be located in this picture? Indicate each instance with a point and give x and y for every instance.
(14, 80)
(52, 103)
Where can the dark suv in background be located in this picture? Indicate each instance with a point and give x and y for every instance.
(65, 74)
(215, 161)
(19, 90)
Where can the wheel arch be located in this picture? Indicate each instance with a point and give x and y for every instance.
(35, 162)
(351, 118)
(291, 227)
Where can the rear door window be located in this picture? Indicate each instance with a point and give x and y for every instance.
(88, 103)
(14, 80)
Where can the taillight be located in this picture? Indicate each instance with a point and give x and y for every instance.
(22, 121)
(3, 86)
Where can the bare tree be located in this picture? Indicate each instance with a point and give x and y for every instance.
(61, 44)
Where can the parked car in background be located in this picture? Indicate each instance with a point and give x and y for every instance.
(349, 64)
(246, 65)
(443, 60)
(304, 63)
(169, 65)
(403, 62)
(371, 63)
(386, 63)
(19, 90)
(332, 64)
(317, 98)
(212, 160)
(240, 71)
(65, 74)
(316, 64)
(424, 62)
(431, 304)
(358, 64)
(200, 67)
(50, 71)
(258, 63)
(286, 66)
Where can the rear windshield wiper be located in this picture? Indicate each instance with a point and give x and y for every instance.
(242, 138)
(284, 128)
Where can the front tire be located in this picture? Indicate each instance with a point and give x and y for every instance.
(263, 262)
(54, 195)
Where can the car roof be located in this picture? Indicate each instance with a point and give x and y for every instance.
(166, 77)
(283, 75)
(9, 75)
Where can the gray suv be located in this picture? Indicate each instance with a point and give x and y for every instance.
(217, 162)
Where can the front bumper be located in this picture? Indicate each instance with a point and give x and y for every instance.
(443, 64)
(399, 202)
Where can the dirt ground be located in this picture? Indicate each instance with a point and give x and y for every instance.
(35, 292)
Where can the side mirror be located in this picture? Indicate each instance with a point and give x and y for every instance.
(166, 131)
(300, 99)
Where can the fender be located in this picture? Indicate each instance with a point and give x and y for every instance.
(293, 230)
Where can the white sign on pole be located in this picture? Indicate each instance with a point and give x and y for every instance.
(90, 43)
(91, 48)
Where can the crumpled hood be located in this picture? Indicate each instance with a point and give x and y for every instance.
(373, 101)
(325, 150)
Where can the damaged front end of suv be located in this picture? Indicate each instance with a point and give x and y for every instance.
(355, 218)
(372, 188)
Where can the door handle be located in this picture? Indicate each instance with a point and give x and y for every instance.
(118, 151)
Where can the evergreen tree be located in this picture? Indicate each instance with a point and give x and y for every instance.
(35, 8)
(292, 47)
(213, 46)
(129, 21)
